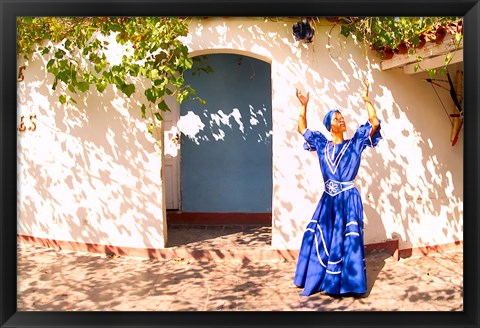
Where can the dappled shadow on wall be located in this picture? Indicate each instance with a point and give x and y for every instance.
(85, 172)
(207, 126)
(411, 183)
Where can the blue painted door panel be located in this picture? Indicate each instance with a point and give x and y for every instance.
(226, 150)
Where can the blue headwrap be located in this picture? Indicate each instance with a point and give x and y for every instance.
(327, 120)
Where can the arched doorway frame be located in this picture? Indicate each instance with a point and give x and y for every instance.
(176, 107)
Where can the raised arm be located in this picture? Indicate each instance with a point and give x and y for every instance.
(302, 119)
(372, 114)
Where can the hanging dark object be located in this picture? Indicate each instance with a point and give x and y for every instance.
(457, 127)
(297, 31)
(302, 30)
(455, 94)
(451, 90)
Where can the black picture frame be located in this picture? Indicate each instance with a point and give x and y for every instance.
(9, 10)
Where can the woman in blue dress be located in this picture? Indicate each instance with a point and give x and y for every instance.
(331, 257)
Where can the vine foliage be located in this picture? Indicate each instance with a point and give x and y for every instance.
(390, 35)
(76, 47)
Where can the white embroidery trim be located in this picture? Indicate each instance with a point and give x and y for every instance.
(318, 253)
(323, 240)
(328, 186)
(332, 158)
(336, 261)
(339, 157)
(352, 233)
(316, 246)
(325, 248)
(333, 161)
(353, 222)
(369, 136)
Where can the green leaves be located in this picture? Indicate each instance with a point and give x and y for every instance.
(128, 89)
(50, 63)
(153, 74)
(380, 33)
(448, 59)
(163, 106)
(59, 53)
(68, 43)
(77, 57)
(83, 86)
(345, 30)
(63, 99)
(101, 85)
(431, 72)
(458, 37)
(45, 51)
(389, 31)
(153, 94)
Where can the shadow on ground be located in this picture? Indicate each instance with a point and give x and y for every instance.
(60, 280)
(212, 236)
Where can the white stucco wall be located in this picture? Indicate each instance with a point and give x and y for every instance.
(411, 184)
(90, 173)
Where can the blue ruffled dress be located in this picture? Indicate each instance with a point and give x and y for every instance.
(331, 257)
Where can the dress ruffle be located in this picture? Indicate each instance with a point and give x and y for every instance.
(314, 140)
(362, 135)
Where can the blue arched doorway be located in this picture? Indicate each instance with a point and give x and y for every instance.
(226, 144)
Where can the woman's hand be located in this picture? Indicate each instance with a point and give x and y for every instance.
(303, 99)
(302, 119)
(372, 114)
(365, 92)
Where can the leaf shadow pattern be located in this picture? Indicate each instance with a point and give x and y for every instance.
(88, 168)
(57, 280)
(409, 183)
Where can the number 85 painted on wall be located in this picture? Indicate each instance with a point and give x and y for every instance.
(33, 125)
